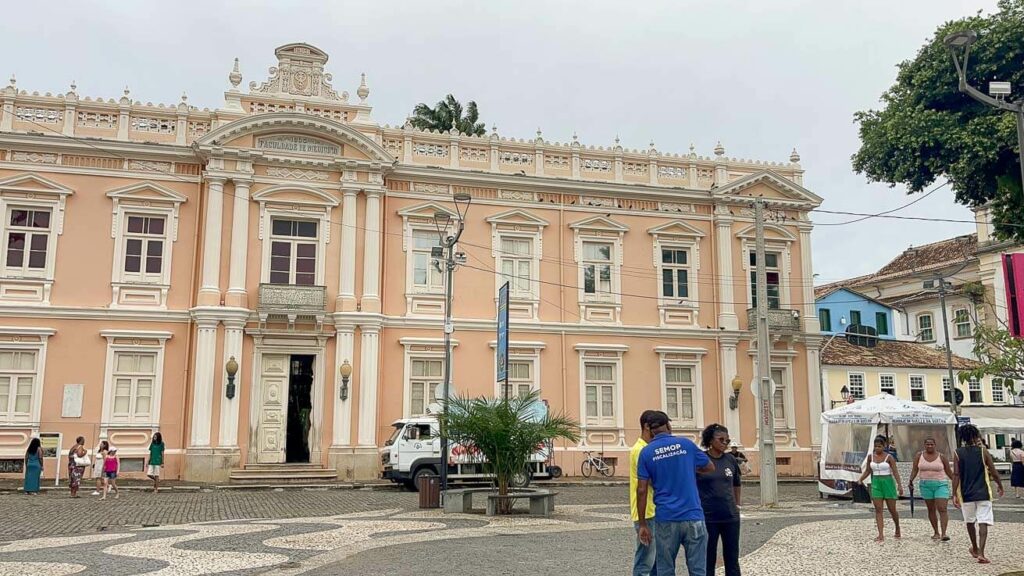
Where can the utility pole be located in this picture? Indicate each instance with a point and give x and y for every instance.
(766, 440)
(449, 259)
(949, 348)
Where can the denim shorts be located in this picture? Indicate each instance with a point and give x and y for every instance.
(932, 489)
(111, 475)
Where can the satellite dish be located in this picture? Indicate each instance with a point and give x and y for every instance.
(753, 387)
(433, 408)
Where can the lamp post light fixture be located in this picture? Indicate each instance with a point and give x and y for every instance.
(734, 400)
(959, 46)
(445, 255)
(845, 393)
(346, 372)
(231, 368)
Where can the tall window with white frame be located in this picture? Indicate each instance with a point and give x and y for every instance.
(597, 268)
(28, 240)
(17, 380)
(962, 322)
(424, 378)
(144, 239)
(925, 330)
(974, 390)
(779, 398)
(773, 276)
(855, 382)
(998, 391)
(520, 378)
(917, 388)
(675, 273)
(947, 390)
(293, 247)
(887, 383)
(134, 379)
(599, 391)
(426, 276)
(679, 392)
(516, 261)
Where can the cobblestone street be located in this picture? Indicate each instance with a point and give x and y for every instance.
(364, 531)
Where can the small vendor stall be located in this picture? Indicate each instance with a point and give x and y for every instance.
(848, 434)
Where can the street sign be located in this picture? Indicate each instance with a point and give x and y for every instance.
(963, 420)
(502, 355)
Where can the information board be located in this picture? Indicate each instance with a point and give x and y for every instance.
(502, 355)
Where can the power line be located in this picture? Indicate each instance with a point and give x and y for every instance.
(863, 218)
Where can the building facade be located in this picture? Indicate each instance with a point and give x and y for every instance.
(147, 246)
(839, 308)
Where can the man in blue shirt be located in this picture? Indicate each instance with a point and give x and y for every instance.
(670, 465)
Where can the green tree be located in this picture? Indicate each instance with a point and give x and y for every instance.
(1000, 355)
(506, 432)
(448, 114)
(928, 130)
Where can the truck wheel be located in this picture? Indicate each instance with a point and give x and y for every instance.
(421, 472)
(522, 479)
(555, 471)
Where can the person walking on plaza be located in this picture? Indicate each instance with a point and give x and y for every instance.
(720, 498)
(644, 555)
(99, 455)
(973, 471)
(1017, 467)
(33, 467)
(156, 460)
(77, 461)
(111, 464)
(934, 469)
(668, 465)
(885, 485)
(741, 459)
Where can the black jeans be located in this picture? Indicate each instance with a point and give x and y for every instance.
(730, 534)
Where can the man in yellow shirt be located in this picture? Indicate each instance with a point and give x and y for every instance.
(643, 558)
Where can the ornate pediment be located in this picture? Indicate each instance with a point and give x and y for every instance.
(299, 72)
(767, 183)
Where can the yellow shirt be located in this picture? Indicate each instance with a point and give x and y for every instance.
(634, 457)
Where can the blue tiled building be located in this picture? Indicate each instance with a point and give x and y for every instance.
(839, 308)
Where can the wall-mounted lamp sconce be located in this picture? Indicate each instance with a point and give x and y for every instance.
(231, 368)
(734, 400)
(346, 373)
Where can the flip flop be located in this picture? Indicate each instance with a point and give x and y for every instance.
(984, 560)
(974, 553)
(945, 538)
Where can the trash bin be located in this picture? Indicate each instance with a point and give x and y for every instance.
(429, 487)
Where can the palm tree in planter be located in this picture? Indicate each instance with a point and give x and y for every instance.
(447, 114)
(506, 432)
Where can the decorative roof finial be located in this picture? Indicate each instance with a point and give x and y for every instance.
(74, 86)
(651, 148)
(693, 149)
(794, 157)
(13, 81)
(539, 137)
(184, 97)
(362, 91)
(616, 139)
(494, 131)
(575, 138)
(235, 77)
(125, 99)
(719, 149)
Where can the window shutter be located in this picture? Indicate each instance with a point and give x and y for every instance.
(1013, 272)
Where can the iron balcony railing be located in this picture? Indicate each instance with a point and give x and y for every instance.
(778, 319)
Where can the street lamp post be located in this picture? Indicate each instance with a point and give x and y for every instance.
(959, 46)
(445, 255)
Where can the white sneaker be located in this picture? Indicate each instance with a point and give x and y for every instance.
(95, 492)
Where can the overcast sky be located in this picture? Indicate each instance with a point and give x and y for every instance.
(762, 77)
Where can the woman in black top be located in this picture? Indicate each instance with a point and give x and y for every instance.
(720, 497)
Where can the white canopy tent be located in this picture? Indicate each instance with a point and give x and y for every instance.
(997, 419)
(848, 433)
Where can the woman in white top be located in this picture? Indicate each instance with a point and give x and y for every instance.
(885, 485)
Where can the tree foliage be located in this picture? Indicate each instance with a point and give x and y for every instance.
(504, 431)
(448, 114)
(927, 130)
(1000, 354)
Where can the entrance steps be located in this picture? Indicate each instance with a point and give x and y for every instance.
(283, 474)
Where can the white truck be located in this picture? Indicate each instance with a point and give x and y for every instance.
(414, 450)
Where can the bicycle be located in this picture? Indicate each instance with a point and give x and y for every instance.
(592, 462)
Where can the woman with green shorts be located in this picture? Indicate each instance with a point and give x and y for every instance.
(935, 471)
(885, 485)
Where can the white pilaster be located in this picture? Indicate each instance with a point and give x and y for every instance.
(212, 236)
(727, 352)
(233, 333)
(809, 312)
(724, 241)
(347, 280)
(345, 342)
(203, 377)
(814, 391)
(371, 253)
(239, 239)
(369, 347)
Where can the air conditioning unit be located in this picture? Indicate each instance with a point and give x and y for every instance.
(929, 284)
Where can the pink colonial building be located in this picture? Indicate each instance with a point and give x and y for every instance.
(146, 246)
